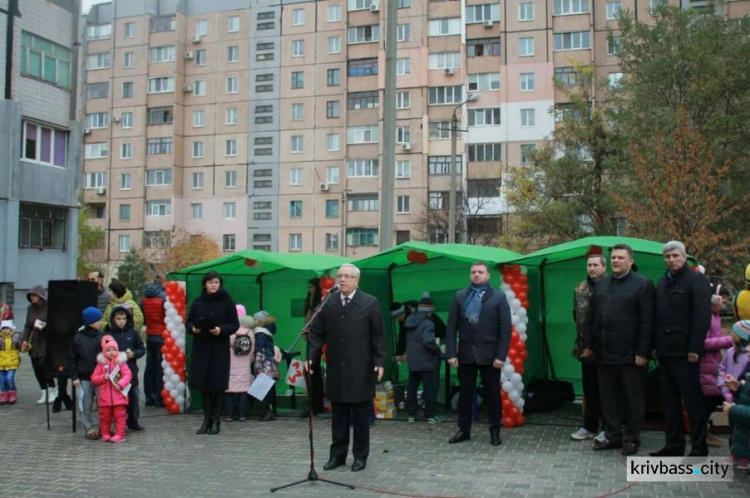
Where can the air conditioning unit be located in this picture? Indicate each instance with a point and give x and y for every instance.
(87, 131)
(449, 71)
(487, 24)
(187, 88)
(323, 187)
(196, 39)
(375, 7)
(101, 190)
(116, 119)
(406, 146)
(189, 55)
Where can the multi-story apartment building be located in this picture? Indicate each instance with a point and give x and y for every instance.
(259, 123)
(40, 143)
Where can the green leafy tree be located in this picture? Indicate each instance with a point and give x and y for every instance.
(90, 244)
(133, 273)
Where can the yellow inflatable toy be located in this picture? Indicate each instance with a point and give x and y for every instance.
(742, 299)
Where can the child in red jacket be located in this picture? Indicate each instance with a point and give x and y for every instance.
(112, 375)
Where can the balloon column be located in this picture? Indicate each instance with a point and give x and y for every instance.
(175, 391)
(516, 288)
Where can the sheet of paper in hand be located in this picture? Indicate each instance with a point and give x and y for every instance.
(295, 375)
(260, 386)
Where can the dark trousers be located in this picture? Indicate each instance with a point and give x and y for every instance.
(235, 399)
(342, 415)
(592, 405)
(37, 364)
(269, 402)
(428, 389)
(134, 410)
(467, 381)
(680, 383)
(615, 380)
(153, 376)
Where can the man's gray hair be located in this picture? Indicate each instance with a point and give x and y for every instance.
(600, 257)
(355, 270)
(672, 245)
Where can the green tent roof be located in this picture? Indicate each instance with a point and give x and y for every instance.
(579, 248)
(460, 252)
(267, 262)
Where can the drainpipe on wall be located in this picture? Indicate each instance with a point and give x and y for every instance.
(11, 14)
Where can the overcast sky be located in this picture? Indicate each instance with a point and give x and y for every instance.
(86, 4)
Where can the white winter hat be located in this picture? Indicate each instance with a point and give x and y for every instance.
(8, 324)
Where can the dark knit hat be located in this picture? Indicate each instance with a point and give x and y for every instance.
(742, 329)
(397, 309)
(425, 304)
(91, 315)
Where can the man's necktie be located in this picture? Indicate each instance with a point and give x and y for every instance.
(346, 301)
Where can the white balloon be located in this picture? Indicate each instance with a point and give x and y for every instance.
(524, 337)
(181, 386)
(175, 379)
(522, 312)
(507, 387)
(516, 378)
(164, 364)
(508, 369)
(180, 400)
(513, 395)
(171, 312)
(515, 304)
(504, 287)
(520, 387)
(510, 295)
(521, 328)
(520, 404)
(515, 320)
(181, 344)
(173, 393)
(168, 385)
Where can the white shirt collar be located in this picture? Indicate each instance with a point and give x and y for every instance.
(350, 296)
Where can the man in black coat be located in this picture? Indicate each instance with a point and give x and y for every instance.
(683, 316)
(617, 336)
(351, 325)
(481, 316)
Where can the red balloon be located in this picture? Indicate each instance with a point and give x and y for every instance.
(422, 258)
(507, 422)
(164, 349)
(510, 279)
(250, 262)
(326, 283)
(507, 404)
(520, 369)
(520, 420)
(517, 363)
(165, 333)
(168, 341)
(523, 354)
(167, 355)
(164, 393)
(525, 304)
(522, 296)
(181, 358)
(523, 278)
(411, 256)
(174, 409)
(515, 269)
(514, 412)
(513, 354)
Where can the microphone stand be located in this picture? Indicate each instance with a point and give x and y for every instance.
(312, 475)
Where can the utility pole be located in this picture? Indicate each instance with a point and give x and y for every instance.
(472, 97)
(387, 168)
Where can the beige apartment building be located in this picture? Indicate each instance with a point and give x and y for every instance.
(259, 123)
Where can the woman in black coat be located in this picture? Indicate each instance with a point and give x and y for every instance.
(211, 320)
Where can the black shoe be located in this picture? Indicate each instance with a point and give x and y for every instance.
(668, 452)
(215, 425)
(495, 437)
(459, 437)
(359, 465)
(269, 416)
(205, 425)
(57, 405)
(630, 448)
(150, 402)
(607, 444)
(136, 428)
(68, 402)
(334, 463)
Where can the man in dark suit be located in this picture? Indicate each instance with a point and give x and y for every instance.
(481, 315)
(351, 325)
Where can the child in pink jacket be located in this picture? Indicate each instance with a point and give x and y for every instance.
(113, 376)
(711, 362)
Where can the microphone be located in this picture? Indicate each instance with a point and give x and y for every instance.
(333, 289)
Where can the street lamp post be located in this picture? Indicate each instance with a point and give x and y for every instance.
(454, 146)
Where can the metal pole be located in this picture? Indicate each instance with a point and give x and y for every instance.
(452, 192)
(387, 168)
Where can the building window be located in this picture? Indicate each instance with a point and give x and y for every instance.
(438, 200)
(403, 169)
(403, 100)
(363, 100)
(402, 204)
(123, 242)
(484, 117)
(124, 212)
(404, 4)
(160, 115)
(97, 90)
(159, 146)
(445, 27)
(228, 243)
(158, 177)
(613, 45)
(156, 239)
(484, 47)
(528, 118)
(403, 32)
(230, 147)
(201, 27)
(295, 241)
(50, 62)
(197, 181)
(199, 88)
(233, 53)
(362, 67)
(445, 60)
(334, 44)
(439, 130)
(484, 81)
(95, 151)
(360, 4)
(403, 66)
(196, 211)
(295, 209)
(486, 187)
(332, 242)
(161, 54)
(129, 30)
(526, 47)
(565, 7)
(484, 152)
(442, 95)
(161, 85)
(653, 5)
(127, 90)
(361, 237)
(125, 181)
(199, 119)
(481, 13)
(362, 134)
(230, 179)
(362, 202)
(93, 181)
(613, 80)
(200, 57)
(403, 135)
(126, 150)
(577, 40)
(567, 76)
(527, 153)
(333, 142)
(362, 168)
(233, 84)
(298, 79)
(41, 227)
(295, 176)
(526, 11)
(334, 13)
(198, 149)
(159, 208)
(298, 112)
(332, 208)
(527, 82)
(230, 210)
(231, 116)
(363, 34)
(298, 17)
(297, 144)
(93, 62)
(233, 24)
(613, 9)
(333, 109)
(333, 77)
(159, 24)
(332, 174)
(441, 165)
(298, 48)
(44, 145)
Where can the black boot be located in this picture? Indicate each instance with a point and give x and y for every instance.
(216, 414)
(270, 414)
(206, 413)
(495, 436)
(68, 402)
(57, 405)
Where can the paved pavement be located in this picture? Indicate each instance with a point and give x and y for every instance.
(248, 458)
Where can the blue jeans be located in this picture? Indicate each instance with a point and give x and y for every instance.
(7, 380)
(152, 377)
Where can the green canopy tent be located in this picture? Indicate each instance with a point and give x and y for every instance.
(259, 280)
(555, 271)
(390, 276)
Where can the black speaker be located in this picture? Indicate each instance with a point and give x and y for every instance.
(66, 300)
